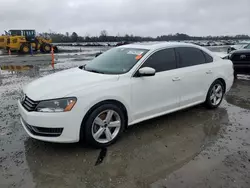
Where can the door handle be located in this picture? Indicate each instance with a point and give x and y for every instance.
(209, 72)
(176, 79)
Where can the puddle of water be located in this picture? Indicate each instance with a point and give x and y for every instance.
(225, 163)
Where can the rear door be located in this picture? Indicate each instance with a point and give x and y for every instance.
(196, 75)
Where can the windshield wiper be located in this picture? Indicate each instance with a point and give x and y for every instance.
(82, 67)
(95, 71)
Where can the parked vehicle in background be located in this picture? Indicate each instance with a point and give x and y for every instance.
(238, 46)
(23, 40)
(241, 60)
(3, 42)
(121, 87)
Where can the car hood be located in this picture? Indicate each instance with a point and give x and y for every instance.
(241, 51)
(64, 83)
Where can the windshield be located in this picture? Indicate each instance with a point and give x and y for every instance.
(248, 46)
(116, 61)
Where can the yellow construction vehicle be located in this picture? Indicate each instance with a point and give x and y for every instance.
(25, 40)
(3, 42)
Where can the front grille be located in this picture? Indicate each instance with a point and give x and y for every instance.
(8, 41)
(42, 131)
(29, 104)
(239, 57)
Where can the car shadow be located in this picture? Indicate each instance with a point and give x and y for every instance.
(145, 152)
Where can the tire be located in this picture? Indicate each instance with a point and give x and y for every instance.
(214, 98)
(46, 48)
(25, 48)
(235, 75)
(96, 134)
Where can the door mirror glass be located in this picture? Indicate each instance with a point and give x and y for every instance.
(146, 71)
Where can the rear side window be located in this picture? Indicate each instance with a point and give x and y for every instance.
(208, 58)
(189, 56)
(162, 60)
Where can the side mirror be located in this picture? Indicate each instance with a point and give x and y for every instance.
(146, 71)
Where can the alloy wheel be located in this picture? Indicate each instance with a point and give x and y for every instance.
(216, 94)
(106, 126)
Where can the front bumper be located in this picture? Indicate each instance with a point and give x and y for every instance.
(66, 125)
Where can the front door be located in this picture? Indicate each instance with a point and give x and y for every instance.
(158, 94)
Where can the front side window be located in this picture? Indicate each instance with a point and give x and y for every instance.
(189, 56)
(162, 60)
(116, 61)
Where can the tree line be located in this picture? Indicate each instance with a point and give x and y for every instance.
(104, 37)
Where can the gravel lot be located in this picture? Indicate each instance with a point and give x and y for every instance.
(192, 148)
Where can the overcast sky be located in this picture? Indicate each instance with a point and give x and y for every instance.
(138, 17)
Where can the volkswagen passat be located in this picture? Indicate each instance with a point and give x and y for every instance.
(122, 87)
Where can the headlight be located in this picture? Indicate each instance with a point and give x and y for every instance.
(56, 105)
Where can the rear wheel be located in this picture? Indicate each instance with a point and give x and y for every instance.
(25, 48)
(235, 75)
(215, 94)
(104, 125)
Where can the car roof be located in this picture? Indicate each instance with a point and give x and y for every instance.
(158, 45)
(152, 46)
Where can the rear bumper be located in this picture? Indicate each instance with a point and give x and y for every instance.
(50, 127)
(229, 83)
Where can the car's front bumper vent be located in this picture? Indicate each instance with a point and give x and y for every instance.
(42, 131)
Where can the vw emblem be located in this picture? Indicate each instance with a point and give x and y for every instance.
(243, 56)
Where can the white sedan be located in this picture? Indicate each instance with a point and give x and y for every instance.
(122, 87)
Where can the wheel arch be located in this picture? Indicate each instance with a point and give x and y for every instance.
(107, 101)
(220, 79)
(223, 82)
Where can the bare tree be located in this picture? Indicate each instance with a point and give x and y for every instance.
(74, 37)
(104, 33)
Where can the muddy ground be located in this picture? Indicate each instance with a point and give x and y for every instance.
(195, 147)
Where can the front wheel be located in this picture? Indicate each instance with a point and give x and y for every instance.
(25, 48)
(104, 125)
(215, 94)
